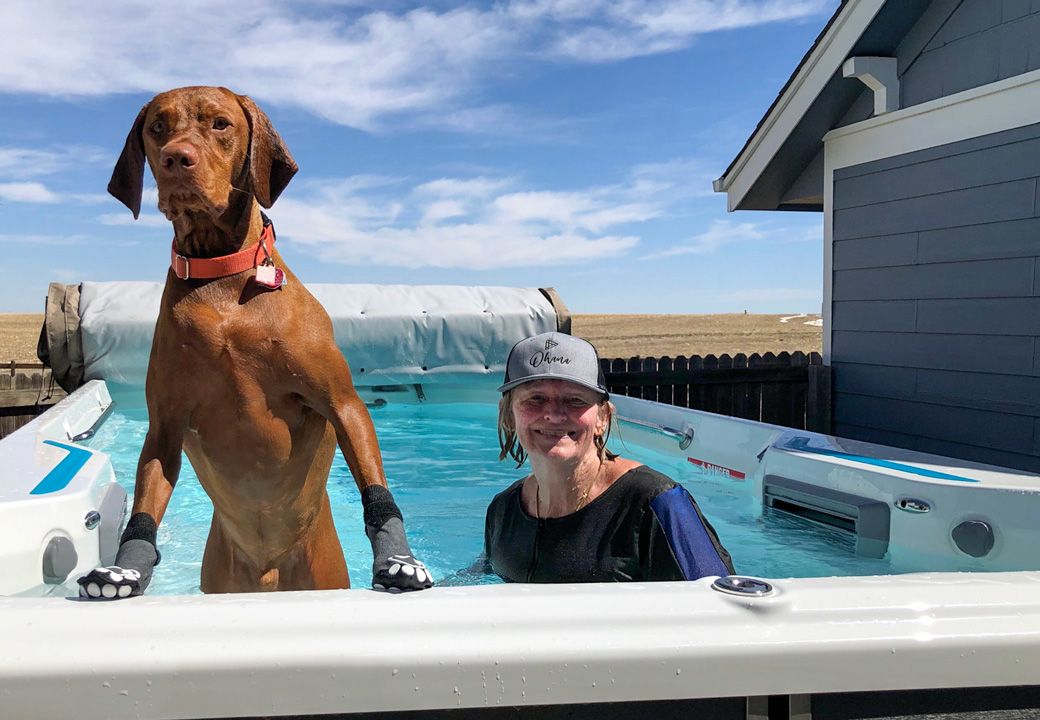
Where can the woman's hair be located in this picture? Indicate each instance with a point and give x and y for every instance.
(511, 447)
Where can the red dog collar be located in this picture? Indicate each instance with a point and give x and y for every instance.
(253, 256)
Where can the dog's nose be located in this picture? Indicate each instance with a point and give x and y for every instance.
(176, 157)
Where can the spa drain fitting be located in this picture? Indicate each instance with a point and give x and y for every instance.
(742, 586)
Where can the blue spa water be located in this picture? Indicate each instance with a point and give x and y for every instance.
(441, 463)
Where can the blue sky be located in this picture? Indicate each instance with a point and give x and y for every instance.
(533, 143)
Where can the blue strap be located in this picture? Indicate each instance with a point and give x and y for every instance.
(686, 534)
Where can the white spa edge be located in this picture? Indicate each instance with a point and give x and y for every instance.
(356, 651)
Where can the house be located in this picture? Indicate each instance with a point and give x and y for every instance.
(914, 127)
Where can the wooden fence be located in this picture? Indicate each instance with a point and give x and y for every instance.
(26, 390)
(791, 389)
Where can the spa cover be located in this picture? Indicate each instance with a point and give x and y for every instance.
(390, 334)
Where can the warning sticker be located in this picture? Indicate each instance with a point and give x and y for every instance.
(713, 469)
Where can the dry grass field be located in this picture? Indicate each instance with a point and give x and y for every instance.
(18, 335)
(657, 335)
(613, 335)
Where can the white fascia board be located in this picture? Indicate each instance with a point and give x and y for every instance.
(828, 57)
(992, 108)
(827, 311)
(980, 111)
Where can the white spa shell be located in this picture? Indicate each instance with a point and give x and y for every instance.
(298, 653)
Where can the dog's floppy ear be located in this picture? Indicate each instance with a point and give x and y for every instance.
(127, 181)
(271, 167)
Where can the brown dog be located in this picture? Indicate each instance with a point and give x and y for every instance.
(244, 374)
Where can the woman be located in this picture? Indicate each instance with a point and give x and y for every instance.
(584, 514)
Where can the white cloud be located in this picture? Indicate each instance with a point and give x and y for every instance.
(29, 240)
(680, 178)
(561, 208)
(27, 192)
(342, 61)
(478, 246)
(721, 233)
(36, 192)
(88, 198)
(442, 210)
(477, 223)
(126, 218)
(594, 210)
(469, 188)
(631, 28)
(613, 215)
(16, 162)
(337, 63)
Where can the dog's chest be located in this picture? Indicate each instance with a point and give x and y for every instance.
(228, 335)
(238, 376)
(248, 433)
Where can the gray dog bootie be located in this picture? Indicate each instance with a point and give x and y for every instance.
(134, 562)
(394, 568)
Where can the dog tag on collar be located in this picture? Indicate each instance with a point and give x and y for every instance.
(270, 277)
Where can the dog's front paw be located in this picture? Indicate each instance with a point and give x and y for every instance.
(401, 573)
(110, 583)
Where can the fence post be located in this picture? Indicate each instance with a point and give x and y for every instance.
(665, 393)
(681, 393)
(649, 366)
(618, 368)
(706, 399)
(818, 400)
(799, 391)
(741, 390)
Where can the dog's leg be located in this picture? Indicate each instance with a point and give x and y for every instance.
(394, 567)
(157, 472)
(325, 565)
(327, 388)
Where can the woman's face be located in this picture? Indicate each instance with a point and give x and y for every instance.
(556, 419)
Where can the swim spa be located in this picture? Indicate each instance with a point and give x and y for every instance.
(877, 523)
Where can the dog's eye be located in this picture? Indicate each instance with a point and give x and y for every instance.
(220, 124)
(157, 127)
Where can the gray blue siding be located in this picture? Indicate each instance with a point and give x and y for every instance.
(962, 44)
(936, 293)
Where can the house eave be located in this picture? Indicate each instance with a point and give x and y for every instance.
(818, 68)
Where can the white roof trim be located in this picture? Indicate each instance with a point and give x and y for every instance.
(983, 110)
(826, 59)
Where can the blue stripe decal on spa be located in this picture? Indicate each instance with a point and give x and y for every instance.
(62, 473)
(801, 444)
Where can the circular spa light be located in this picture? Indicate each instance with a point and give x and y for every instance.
(742, 586)
(973, 537)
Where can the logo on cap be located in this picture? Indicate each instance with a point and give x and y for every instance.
(544, 357)
(550, 343)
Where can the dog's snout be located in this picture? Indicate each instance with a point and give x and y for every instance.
(176, 157)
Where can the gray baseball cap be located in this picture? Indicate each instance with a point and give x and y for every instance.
(554, 356)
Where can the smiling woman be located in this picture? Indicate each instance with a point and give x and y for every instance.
(584, 514)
